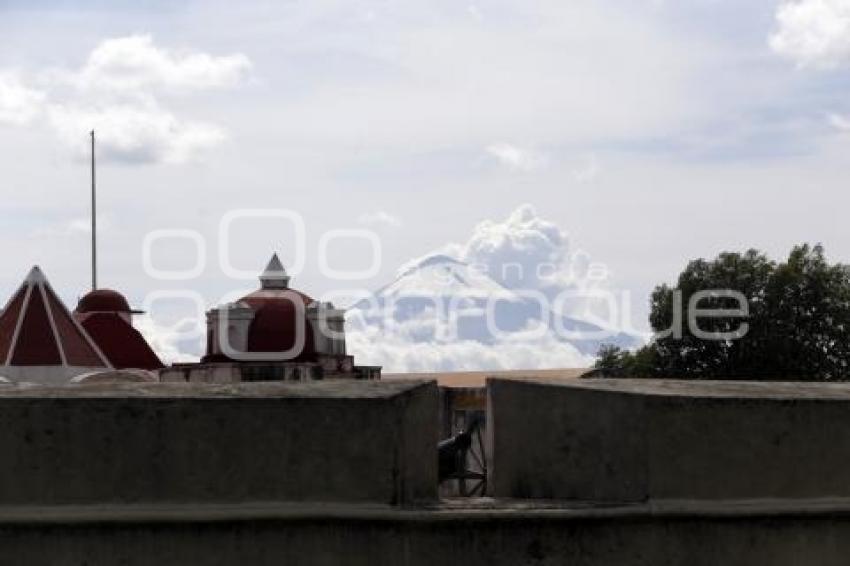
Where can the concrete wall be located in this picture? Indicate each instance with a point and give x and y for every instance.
(634, 536)
(636, 440)
(549, 441)
(320, 441)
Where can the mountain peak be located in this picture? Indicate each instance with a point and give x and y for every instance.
(430, 260)
(440, 274)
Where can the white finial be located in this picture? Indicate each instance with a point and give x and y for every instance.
(274, 277)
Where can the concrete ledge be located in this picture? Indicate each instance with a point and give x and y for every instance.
(322, 389)
(708, 389)
(509, 534)
(460, 511)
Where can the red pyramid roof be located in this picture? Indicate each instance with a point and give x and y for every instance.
(37, 330)
(123, 345)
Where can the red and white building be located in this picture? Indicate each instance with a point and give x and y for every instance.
(274, 333)
(42, 342)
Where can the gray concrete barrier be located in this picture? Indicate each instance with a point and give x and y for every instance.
(129, 443)
(360, 535)
(638, 440)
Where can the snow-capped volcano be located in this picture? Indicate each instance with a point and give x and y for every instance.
(442, 300)
(516, 295)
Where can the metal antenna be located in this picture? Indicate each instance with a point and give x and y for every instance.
(93, 218)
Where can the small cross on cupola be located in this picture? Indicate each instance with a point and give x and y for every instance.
(274, 277)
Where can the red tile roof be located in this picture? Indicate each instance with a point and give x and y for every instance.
(123, 345)
(9, 322)
(36, 344)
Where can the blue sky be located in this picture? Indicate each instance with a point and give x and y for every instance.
(650, 132)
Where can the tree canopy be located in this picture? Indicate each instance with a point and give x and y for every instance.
(772, 321)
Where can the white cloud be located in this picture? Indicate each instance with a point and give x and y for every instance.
(379, 218)
(19, 104)
(517, 158)
(134, 62)
(813, 33)
(165, 341)
(526, 251)
(397, 354)
(139, 133)
(116, 92)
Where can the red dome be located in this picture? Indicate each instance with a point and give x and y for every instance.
(276, 326)
(103, 300)
(264, 296)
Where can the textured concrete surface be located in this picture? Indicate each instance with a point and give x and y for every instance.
(132, 443)
(314, 474)
(551, 442)
(789, 390)
(749, 533)
(638, 440)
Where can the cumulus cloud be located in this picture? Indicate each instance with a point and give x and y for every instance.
(813, 33)
(379, 218)
(516, 158)
(526, 251)
(134, 62)
(117, 92)
(139, 132)
(398, 355)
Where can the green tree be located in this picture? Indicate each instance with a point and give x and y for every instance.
(808, 311)
(798, 322)
(613, 361)
(681, 353)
